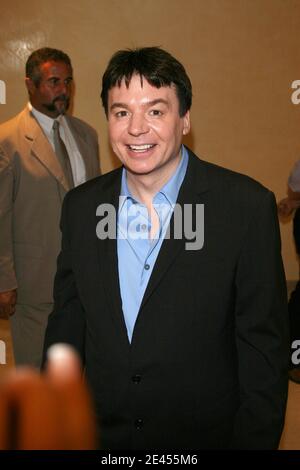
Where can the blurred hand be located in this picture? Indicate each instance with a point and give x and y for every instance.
(47, 411)
(287, 206)
(8, 301)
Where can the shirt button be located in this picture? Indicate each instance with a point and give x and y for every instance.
(136, 379)
(147, 266)
(139, 423)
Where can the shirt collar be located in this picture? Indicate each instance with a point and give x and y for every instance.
(170, 190)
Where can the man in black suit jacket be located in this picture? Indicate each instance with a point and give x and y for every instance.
(195, 354)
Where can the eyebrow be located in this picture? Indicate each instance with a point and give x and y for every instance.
(58, 78)
(148, 104)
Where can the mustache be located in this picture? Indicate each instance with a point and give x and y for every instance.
(61, 98)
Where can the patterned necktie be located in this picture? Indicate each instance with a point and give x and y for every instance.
(62, 154)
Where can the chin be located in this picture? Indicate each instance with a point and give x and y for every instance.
(61, 110)
(62, 107)
(136, 170)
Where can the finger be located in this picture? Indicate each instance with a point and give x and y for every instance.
(3, 313)
(5, 310)
(31, 413)
(63, 363)
(4, 419)
(65, 374)
(38, 412)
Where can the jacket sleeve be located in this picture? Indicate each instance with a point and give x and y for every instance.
(66, 324)
(261, 332)
(8, 279)
(294, 178)
(97, 161)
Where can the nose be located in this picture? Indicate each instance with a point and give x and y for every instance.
(138, 125)
(65, 88)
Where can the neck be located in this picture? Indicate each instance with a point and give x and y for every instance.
(144, 187)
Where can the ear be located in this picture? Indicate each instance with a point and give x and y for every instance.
(30, 85)
(186, 123)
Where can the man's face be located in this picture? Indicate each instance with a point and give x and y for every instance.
(145, 127)
(52, 95)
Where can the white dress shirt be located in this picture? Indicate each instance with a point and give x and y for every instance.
(76, 160)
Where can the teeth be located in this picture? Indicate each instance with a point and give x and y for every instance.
(140, 148)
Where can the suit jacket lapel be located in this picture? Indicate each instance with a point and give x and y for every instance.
(193, 188)
(108, 258)
(41, 148)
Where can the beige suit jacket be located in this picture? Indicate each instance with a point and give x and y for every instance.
(32, 187)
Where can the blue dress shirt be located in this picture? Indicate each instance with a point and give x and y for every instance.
(137, 253)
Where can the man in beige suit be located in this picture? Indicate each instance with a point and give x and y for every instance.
(43, 154)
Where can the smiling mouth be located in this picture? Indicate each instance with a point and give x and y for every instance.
(140, 148)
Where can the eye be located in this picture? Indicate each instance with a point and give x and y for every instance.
(68, 81)
(53, 81)
(121, 113)
(155, 112)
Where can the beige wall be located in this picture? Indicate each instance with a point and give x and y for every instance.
(242, 57)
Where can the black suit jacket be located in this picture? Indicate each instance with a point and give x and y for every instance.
(207, 366)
